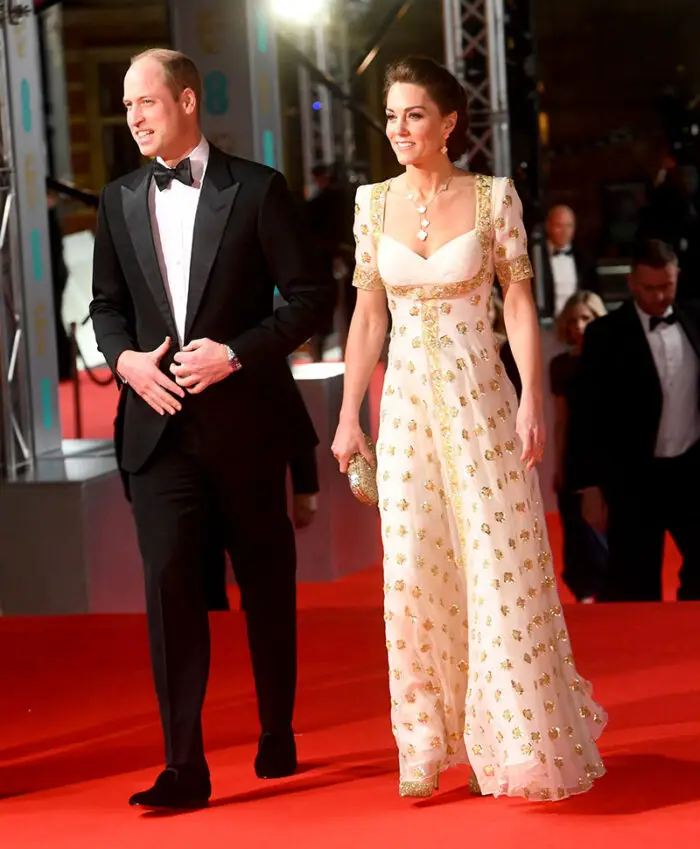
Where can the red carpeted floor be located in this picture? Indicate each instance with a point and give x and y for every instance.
(79, 732)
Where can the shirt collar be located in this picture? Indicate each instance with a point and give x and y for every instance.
(551, 248)
(199, 158)
(645, 318)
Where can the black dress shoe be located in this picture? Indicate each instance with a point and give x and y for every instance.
(277, 755)
(175, 788)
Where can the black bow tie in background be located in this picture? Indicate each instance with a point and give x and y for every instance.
(164, 175)
(656, 320)
(563, 252)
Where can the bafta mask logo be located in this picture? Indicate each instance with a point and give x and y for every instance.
(25, 98)
(216, 93)
(37, 256)
(30, 178)
(210, 29)
(40, 327)
(264, 93)
(21, 38)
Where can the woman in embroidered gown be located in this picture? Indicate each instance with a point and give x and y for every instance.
(481, 669)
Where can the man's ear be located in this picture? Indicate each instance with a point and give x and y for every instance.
(189, 100)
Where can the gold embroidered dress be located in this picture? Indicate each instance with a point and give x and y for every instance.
(481, 669)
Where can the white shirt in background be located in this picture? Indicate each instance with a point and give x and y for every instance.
(564, 276)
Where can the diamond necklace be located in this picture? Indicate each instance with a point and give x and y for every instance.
(422, 208)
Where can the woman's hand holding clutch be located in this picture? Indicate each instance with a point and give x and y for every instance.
(350, 440)
(356, 457)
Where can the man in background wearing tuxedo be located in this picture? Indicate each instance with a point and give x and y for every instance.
(566, 268)
(635, 420)
(188, 252)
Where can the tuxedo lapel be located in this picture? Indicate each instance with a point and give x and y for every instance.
(648, 374)
(685, 319)
(138, 224)
(219, 191)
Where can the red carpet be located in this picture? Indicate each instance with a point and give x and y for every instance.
(80, 733)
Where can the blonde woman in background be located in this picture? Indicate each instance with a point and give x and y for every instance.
(585, 549)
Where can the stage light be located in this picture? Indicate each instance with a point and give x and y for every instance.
(316, 105)
(301, 12)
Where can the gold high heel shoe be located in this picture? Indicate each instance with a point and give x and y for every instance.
(421, 789)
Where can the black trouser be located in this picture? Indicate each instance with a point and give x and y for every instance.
(214, 571)
(666, 498)
(170, 498)
(304, 476)
(585, 550)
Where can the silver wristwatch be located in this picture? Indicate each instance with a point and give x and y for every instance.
(233, 361)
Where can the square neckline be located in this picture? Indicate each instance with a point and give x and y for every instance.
(472, 232)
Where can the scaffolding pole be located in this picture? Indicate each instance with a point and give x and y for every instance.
(29, 424)
(475, 52)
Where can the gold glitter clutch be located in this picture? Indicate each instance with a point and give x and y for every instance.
(363, 477)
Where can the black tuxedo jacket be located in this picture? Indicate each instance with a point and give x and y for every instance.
(585, 271)
(247, 240)
(617, 400)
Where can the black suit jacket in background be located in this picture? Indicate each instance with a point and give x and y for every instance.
(248, 238)
(586, 272)
(617, 400)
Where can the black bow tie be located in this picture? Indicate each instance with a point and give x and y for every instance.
(164, 175)
(563, 252)
(656, 320)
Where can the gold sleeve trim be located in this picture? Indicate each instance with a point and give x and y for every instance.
(514, 270)
(367, 279)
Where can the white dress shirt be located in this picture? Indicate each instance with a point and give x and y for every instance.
(679, 374)
(173, 212)
(564, 276)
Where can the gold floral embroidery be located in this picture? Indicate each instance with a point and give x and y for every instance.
(377, 205)
(514, 270)
(367, 279)
(432, 344)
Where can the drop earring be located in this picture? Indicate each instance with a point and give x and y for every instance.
(443, 149)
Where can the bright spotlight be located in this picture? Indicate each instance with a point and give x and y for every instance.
(298, 11)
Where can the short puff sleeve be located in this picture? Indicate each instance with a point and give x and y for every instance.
(366, 274)
(511, 260)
